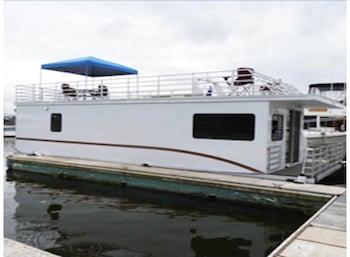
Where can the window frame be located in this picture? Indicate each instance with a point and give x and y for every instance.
(249, 139)
(52, 127)
(312, 124)
(280, 128)
(327, 122)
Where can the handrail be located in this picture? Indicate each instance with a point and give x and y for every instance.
(228, 83)
(322, 156)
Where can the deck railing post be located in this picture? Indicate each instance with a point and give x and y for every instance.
(193, 84)
(158, 86)
(55, 94)
(33, 93)
(16, 96)
(137, 87)
(101, 89)
(233, 88)
(312, 170)
(79, 89)
(40, 76)
(128, 88)
(41, 94)
(83, 92)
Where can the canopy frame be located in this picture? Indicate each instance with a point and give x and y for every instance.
(89, 67)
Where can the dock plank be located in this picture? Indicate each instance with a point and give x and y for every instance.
(301, 248)
(341, 199)
(324, 236)
(333, 217)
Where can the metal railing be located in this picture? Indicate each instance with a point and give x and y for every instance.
(323, 157)
(203, 84)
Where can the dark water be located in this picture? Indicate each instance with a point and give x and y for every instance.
(74, 218)
(338, 178)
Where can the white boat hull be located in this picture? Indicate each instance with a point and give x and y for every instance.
(148, 133)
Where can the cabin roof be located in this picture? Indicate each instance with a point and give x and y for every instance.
(89, 66)
(306, 101)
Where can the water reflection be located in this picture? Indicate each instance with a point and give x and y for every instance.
(87, 249)
(223, 246)
(74, 218)
(53, 211)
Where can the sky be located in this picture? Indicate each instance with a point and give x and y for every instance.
(301, 42)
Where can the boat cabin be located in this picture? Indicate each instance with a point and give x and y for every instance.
(237, 121)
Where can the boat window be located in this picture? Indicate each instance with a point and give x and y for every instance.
(277, 127)
(56, 122)
(327, 122)
(310, 122)
(224, 126)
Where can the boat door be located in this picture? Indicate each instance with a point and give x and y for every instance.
(293, 137)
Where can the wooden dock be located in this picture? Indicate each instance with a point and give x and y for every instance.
(322, 235)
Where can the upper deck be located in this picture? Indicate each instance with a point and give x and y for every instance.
(223, 84)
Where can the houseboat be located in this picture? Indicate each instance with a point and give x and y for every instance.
(236, 121)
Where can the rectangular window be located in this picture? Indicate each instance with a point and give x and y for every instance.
(277, 127)
(310, 122)
(56, 122)
(327, 122)
(224, 126)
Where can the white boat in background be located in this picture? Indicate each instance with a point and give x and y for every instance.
(9, 126)
(326, 120)
(236, 121)
(9, 131)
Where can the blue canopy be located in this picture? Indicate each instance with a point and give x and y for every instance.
(89, 66)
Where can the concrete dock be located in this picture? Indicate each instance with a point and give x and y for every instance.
(16, 249)
(323, 234)
(257, 191)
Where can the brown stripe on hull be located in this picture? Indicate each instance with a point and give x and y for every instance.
(146, 147)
